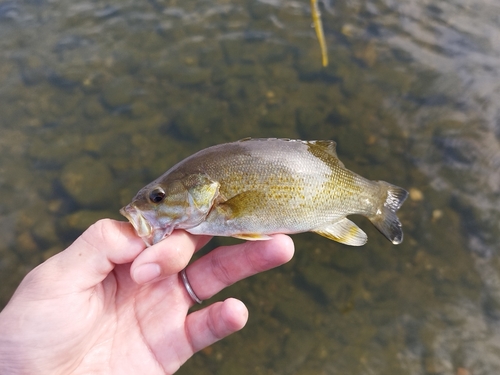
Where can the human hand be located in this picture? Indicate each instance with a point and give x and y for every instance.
(93, 308)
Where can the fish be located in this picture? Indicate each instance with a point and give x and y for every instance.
(253, 188)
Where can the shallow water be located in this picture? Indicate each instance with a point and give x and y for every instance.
(123, 90)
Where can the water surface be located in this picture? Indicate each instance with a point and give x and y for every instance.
(99, 98)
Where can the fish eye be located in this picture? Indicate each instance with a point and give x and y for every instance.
(157, 195)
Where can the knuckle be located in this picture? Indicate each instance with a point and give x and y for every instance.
(220, 270)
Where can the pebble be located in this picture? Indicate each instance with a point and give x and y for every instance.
(119, 92)
(26, 244)
(88, 182)
(67, 77)
(295, 314)
(93, 109)
(437, 366)
(197, 119)
(32, 70)
(79, 221)
(140, 109)
(348, 30)
(436, 215)
(416, 195)
(348, 260)
(44, 231)
(367, 54)
(318, 279)
(192, 76)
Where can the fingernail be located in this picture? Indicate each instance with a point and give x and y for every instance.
(147, 273)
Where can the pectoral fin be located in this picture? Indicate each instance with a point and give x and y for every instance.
(252, 237)
(343, 231)
(241, 204)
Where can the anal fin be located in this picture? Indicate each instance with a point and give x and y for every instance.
(343, 231)
(252, 237)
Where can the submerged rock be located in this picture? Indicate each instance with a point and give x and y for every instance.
(79, 221)
(87, 181)
(118, 93)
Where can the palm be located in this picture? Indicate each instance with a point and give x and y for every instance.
(131, 321)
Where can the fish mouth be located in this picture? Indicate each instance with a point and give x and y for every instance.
(139, 222)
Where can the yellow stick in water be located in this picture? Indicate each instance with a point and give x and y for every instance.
(318, 27)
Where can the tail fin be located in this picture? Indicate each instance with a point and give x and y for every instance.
(385, 220)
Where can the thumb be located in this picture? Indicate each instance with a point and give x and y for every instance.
(88, 260)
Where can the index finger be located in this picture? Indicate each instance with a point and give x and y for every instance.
(167, 257)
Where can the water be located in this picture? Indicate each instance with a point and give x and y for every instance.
(123, 90)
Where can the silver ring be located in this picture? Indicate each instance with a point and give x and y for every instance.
(188, 287)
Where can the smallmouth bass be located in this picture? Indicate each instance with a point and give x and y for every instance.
(252, 188)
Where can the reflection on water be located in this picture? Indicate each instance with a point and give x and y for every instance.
(98, 99)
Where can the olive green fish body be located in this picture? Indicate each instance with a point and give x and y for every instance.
(253, 188)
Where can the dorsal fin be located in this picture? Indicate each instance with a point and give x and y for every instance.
(325, 150)
(328, 145)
